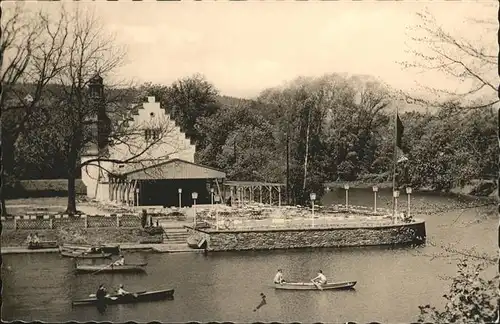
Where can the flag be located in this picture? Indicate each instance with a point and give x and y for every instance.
(399, 131)
(400, 156)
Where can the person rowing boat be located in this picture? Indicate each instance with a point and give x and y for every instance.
(119, 262)
(122, 291)
(278, 278)
(320, 278)
(101, 293)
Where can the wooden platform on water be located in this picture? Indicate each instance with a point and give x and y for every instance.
(160, 248)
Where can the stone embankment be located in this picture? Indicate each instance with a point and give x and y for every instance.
(313, 237)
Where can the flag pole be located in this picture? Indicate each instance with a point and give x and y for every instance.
(395, 163)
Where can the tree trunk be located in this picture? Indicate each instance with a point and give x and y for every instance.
(2, 199)
(307, 151)
(71, 209)
(288, 164)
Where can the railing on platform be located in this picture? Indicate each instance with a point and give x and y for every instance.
(39, 222)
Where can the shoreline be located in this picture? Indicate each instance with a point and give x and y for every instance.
(464, 192)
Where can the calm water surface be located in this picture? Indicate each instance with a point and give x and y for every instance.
(392, 283)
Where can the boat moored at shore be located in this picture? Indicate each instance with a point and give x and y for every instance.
(84, 255)
(42, 245)
(111, 268)
(138, 297)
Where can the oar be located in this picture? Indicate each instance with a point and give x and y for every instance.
(109, 265)
(317, 285)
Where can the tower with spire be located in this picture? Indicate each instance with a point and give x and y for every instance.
(103, 126)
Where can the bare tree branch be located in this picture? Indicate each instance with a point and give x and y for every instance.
(436, 49)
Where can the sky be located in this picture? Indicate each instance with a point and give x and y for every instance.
(245, 47)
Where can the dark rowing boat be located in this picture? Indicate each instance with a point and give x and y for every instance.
(111, 268)
(127, 299)
(311, 286)
(113, 249)
(42, 245)
(84, 255)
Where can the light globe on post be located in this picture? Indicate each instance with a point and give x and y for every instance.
(395, 194)
(346, 187)
(217, 199)
(194, 195)
(180, 197)
(375, 190)
(312, 196)
(408, 192)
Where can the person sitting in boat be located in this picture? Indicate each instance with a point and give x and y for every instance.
(122, 291)
(320, 278)
(278, 278)
(35, 238)
(29, 239)
(120, 261)
(101, 293)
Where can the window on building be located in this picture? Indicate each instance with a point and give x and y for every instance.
(152, 134)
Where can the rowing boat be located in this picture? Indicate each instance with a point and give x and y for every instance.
(111, 268)
(311, 286)
(84, 255)
(42, 245)
(131, 298)
(113, 249)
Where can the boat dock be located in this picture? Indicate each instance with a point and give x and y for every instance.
(159, 248)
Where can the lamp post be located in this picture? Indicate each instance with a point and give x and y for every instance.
(408, 192)
(217, 199)
(346, 187)
(375, 189)
(396, 196)
(180, 197)
(137, 196)
(211, 196)
(312, 196)
(194, 195)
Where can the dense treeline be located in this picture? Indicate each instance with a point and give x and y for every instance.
(334, 128)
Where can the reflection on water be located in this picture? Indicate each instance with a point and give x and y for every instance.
(391, 282)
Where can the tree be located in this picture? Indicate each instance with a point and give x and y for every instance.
(189, 99)
(471, 62)
(31, 54)
(471, 299)
(87, 53)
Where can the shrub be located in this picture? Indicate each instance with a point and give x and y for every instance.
(471, 298)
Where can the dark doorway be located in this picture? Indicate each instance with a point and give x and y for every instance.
(165, 192)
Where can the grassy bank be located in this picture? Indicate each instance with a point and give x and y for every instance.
(75, 236)
(44, 188)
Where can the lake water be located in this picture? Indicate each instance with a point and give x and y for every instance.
(392, 283)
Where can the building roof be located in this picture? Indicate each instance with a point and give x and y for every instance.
(252, 184)
(172, 169)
